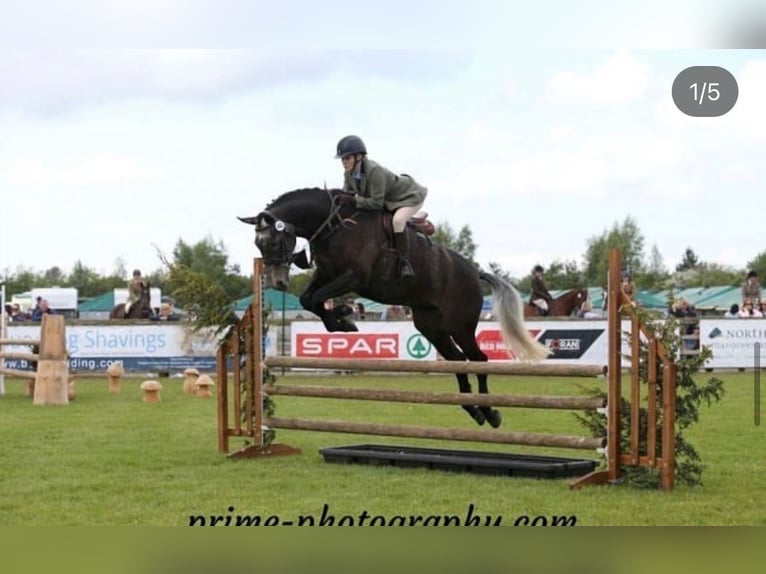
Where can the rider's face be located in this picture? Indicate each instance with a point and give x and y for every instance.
(348, 162)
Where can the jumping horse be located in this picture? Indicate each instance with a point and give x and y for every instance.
(141, 309)
(562, 306)
(353, 251)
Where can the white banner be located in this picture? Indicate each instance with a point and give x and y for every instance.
(161, 346)
(734, 342)
(583, 342)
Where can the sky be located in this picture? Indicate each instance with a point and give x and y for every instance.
(126, 128)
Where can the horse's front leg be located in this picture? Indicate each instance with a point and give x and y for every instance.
(319, 290)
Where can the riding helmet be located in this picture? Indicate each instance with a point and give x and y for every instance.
(538, 269)
(350, 145)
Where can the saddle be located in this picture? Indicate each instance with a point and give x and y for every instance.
(419, 222)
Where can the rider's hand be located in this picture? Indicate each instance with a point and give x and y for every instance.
(346, 199)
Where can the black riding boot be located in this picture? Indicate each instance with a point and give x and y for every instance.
(403, 248)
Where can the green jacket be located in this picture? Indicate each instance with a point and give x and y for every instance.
(380, 188)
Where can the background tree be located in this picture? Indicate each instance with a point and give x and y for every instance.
(655, 276)
(208, 258)
(688, 261)
(462, 241)
(625, 236)
(757, 264)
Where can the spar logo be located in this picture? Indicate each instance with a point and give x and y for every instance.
(347, 345)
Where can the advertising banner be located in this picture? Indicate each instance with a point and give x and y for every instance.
(734, 342)
(141, 348)
(583, 342)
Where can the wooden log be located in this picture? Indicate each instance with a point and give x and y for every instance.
(51, 384)
(31, 357)
(493, 368)
(397, 396)
(502, 437)
(20, 342)
(17, 373)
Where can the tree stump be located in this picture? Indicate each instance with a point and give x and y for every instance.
(51, 382)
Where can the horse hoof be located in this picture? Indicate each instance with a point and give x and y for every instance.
(476, 414)
(494, 418)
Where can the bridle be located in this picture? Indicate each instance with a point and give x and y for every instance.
(284, 256)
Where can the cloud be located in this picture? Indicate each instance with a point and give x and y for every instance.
(619, 79)
(101, 169)
(50, 83)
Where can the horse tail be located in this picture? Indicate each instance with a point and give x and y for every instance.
(509, 310)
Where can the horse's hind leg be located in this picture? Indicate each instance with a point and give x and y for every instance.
(474, 353)
(443, 343)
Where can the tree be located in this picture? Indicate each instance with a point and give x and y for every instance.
(462, 242)
(758, 264)
(655, 275)
(689, 260)
(53, 277)
(206, 258)
(628, 238)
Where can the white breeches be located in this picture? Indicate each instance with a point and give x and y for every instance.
(403, 215)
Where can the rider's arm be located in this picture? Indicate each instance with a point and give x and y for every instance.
(376, 185)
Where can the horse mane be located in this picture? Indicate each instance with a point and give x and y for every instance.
(298, 193)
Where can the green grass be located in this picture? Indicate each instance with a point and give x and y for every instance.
(113, 460)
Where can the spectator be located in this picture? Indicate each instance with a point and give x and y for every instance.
(540, 296)
(627, 286)
(687, 316)
(167, 313)
(748, 311)
(16, 315)
(41, 309)
(751, 289)
(586, 310)
(36, 308)
(732, 312)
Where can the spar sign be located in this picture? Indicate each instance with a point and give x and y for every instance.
(348, 345)
(375, 340)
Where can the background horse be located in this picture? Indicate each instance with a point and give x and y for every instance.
(141, 309)
(562, 306)
(353, 251)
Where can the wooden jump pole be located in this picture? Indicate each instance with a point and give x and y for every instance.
(452, 367)
(20, 342)
(31, 357)
(417, 397)
(499, 437)
(17, 373)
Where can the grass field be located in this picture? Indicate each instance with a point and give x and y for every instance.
(113, 460)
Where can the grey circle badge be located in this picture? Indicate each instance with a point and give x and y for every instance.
(705, 91)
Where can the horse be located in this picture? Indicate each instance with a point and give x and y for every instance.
(141, 309)
(353, 251)
(562, 306)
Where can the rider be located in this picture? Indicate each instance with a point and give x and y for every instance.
(376, 188)
(540, 297)
(135, 290)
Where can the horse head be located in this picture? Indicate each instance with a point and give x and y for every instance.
(276, 240)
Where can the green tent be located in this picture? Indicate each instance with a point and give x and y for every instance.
(99, 304)
(272, 298)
